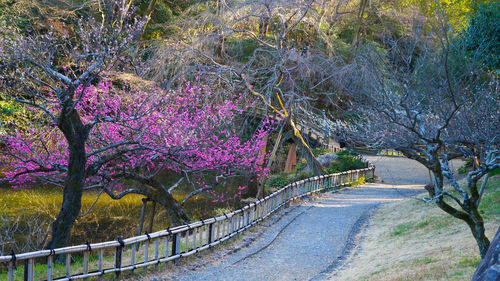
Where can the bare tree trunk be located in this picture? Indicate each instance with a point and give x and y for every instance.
(174, 210)
(476, 225)
(471, 216)
(76, 135)
(488, 268)
(361, 12)
(482, 241)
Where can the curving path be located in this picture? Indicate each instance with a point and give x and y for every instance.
(311, 239)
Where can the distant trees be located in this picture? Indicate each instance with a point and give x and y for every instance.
(482, 35)
(440, 104)
(264, 49)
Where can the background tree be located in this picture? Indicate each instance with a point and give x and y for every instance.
(435, 107)
(482, 35)
(260, 48)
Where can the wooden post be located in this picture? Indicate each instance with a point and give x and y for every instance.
(194, 238)
(85, 263)
(151, 218)
(68, 264)
(141, 219)
(186, 241)
(101, 261)
(49, 269)
(11, 271)
(157, 251)
(146, 251)
(166, 247)
(118, 256)
(201, 237)
(176, 246)
(210, 233)
(291, 160)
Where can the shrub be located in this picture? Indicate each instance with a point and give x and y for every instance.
(346, 161)
(302, 176)
(277, 181)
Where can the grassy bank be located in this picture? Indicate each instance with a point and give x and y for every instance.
(414, 240)
(31, 211)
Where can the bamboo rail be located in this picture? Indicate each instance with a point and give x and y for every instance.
(197, 236)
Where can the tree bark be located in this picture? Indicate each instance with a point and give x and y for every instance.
(469, 215)
(76, 136)
(488, 269)
(477, 228)
(174, 210)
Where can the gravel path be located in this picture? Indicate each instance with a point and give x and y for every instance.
(309, 240)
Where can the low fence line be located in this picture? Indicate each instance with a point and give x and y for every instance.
(166, 245)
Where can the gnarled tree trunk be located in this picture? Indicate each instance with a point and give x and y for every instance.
(76, 135)
(174, 210)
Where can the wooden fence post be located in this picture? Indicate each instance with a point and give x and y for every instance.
(210, 233)
(118, 256)
(176, 246)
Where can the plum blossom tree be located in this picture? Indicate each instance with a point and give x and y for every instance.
(136, 136)
(49, 72)
(82, 131)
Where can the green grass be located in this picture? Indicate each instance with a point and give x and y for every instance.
(107, 219)
(424, 260)
(402, 228)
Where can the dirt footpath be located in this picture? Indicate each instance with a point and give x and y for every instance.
(312, 238)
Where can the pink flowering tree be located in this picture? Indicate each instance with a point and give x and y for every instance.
(49, 72)
(134, 136)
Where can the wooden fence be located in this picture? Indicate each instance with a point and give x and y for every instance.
(151, 249)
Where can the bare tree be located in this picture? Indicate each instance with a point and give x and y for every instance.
(436, 106)
(23, 234)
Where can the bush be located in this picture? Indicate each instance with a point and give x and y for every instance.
(277, 181)
(302, 176)
(346, 161)
(320, 151)
(482, 36)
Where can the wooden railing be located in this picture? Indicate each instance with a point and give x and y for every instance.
(95, 260)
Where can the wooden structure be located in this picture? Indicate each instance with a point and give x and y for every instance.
(291, 160)
(170, 244)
